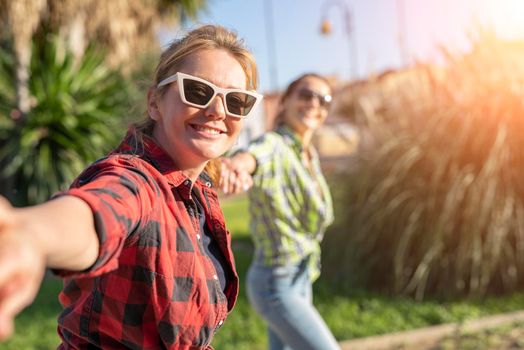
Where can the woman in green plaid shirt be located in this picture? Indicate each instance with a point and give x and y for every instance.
(290, 208)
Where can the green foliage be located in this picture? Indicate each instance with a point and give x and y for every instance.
(187, 9)
(436, 205)
(76, 117)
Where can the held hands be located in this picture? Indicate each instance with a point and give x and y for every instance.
(234, 179)
(22, 267)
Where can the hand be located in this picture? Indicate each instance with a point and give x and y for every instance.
(233, 179)
(22, 267)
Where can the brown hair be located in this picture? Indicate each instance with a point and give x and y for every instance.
(203, 38)
(279, 119)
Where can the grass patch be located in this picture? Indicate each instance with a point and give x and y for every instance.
(36, 325)
(350, 314)
(237, 215)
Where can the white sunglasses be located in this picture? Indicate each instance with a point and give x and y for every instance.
(198, 92)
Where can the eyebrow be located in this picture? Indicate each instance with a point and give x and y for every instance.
(214, 83)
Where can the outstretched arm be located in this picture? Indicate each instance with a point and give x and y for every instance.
(236, 173)
(57, 234)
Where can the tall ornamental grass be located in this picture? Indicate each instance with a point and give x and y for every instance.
(435, 205)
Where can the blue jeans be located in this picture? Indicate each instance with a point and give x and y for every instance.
(282, 295)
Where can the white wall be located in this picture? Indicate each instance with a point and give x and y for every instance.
(254, 126)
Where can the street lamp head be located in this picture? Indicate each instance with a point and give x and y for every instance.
(325, 27)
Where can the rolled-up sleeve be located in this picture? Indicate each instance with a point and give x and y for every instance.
(121, 197)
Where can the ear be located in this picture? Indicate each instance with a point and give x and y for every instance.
(152, 106)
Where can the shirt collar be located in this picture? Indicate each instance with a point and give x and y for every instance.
(149, 150)
(290, 137)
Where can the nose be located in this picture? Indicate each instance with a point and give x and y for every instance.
(217, 107)
(316, 101)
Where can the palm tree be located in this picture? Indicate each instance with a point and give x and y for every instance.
(22, 17)
(122, 27)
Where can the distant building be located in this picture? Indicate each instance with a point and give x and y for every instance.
(260, 122)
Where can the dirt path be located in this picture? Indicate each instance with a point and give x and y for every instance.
(509, 337)
(498, 332)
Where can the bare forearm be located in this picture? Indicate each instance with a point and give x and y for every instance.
(58, 234)
(236, 173)
(64, 230)
(244, 161)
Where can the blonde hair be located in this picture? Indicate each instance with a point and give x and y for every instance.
(206, 37)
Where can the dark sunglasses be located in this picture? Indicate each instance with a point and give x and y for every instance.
(197, 92)
(309, 95)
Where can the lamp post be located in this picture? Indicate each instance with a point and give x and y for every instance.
(401, 15)
(270, 36)
(325, 29)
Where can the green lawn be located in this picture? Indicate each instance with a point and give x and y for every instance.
(237, 215)
(349, 314)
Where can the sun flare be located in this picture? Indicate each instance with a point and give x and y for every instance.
(506, 17)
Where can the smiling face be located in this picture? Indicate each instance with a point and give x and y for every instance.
(192, 135)
(304, 110)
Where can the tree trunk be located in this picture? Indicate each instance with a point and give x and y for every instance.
(74, 33)
(24, 17)
(23, 97)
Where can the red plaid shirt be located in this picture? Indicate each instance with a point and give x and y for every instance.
(152, 286)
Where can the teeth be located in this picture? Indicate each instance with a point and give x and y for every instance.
(206, 129)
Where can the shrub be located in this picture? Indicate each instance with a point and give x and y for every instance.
(436, 203)
(77, 115)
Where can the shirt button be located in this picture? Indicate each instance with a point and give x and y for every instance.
(208, 184)
(198, 236)
(215, 277)
(220, 323)
(186, 182)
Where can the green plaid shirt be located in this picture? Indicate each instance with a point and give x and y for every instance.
(290, 206)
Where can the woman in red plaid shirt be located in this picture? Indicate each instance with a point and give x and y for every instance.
(139, 237)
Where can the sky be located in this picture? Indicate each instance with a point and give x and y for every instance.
(286, 39)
